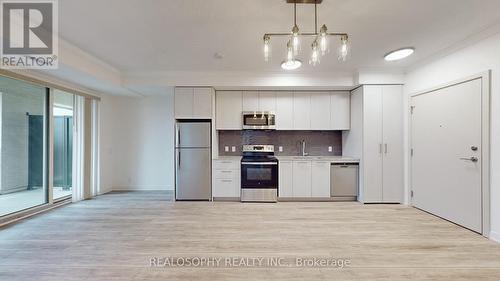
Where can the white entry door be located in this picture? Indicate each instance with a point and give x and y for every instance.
(446, 143)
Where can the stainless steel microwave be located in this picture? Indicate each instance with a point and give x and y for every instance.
(259, 120)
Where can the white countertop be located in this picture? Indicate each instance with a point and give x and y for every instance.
(333, 159)
(228, 158)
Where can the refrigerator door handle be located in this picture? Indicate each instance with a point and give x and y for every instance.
(178, 137)
(179, 158)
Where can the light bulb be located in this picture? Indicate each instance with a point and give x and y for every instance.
(323, 42)
(267, 47)
(295, 39)
(289, 51)
(343, 52)
(315, 53)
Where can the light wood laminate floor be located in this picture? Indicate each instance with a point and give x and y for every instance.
(115, 236)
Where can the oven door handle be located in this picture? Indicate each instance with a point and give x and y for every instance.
(259, 163)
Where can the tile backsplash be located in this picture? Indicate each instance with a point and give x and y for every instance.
(317, 142)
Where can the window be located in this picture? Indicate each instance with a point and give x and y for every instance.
(23, 145)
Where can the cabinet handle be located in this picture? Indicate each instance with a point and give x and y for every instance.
(226, 180)
(386, 148)
(226, 171)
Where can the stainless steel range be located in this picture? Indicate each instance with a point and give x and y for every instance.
(259, 174)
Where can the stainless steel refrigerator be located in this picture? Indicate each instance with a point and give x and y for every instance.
(192, 160)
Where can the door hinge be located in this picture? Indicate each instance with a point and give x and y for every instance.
(411, 194)
(412, 108)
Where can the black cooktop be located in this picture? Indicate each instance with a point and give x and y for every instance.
(268, 158)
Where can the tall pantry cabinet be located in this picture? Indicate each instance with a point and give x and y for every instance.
(376, 137)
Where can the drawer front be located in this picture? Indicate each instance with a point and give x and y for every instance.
(225, 174)
(225, 188)
(226, 165)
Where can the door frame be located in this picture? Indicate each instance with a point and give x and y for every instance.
(485, 141)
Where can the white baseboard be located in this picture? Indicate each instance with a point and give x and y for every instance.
(495, 236)
(142, 188)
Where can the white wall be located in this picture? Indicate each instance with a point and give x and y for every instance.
(482, 56)
(137, 143)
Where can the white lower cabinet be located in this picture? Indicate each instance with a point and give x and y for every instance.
(320, 179)
(285, 180)
(304, 179)
(226, 179)
(301, 179)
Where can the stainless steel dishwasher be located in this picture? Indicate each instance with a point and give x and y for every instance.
(344, 181)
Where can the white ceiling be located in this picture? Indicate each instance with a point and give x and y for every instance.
(183, 35)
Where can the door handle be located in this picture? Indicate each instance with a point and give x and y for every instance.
(472, 159)
(386, 148)
(179, 157)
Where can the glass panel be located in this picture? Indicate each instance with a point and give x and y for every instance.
(63, 144)
(259, 174)
(22, 142)
(255, 121)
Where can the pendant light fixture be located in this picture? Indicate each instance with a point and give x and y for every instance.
(319, 46)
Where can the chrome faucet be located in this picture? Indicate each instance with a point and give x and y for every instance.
(304, 153)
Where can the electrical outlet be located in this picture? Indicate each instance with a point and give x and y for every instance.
(233, 148)
(330, 149)
(226, 148)
(280, 148)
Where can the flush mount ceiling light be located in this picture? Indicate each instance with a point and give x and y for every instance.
(291, 64)
(319, 46)
(399, 54)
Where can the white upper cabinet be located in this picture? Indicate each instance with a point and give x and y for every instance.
(250, 101)
(259, 101)
(267, 101)
(284, 111)
(340, 118)
(183, 101)
(297, 110)
(320, 111)
(229, 108)
(320, 179)
(193, 103)
(202, 103)
(301, 111)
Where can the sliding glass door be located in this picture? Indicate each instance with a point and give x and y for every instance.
(23, 145)
(63, 144)
(49, 146)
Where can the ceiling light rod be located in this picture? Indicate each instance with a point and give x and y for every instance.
(295, 14)
(315, 17)
(306, 34)
(315, 33)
